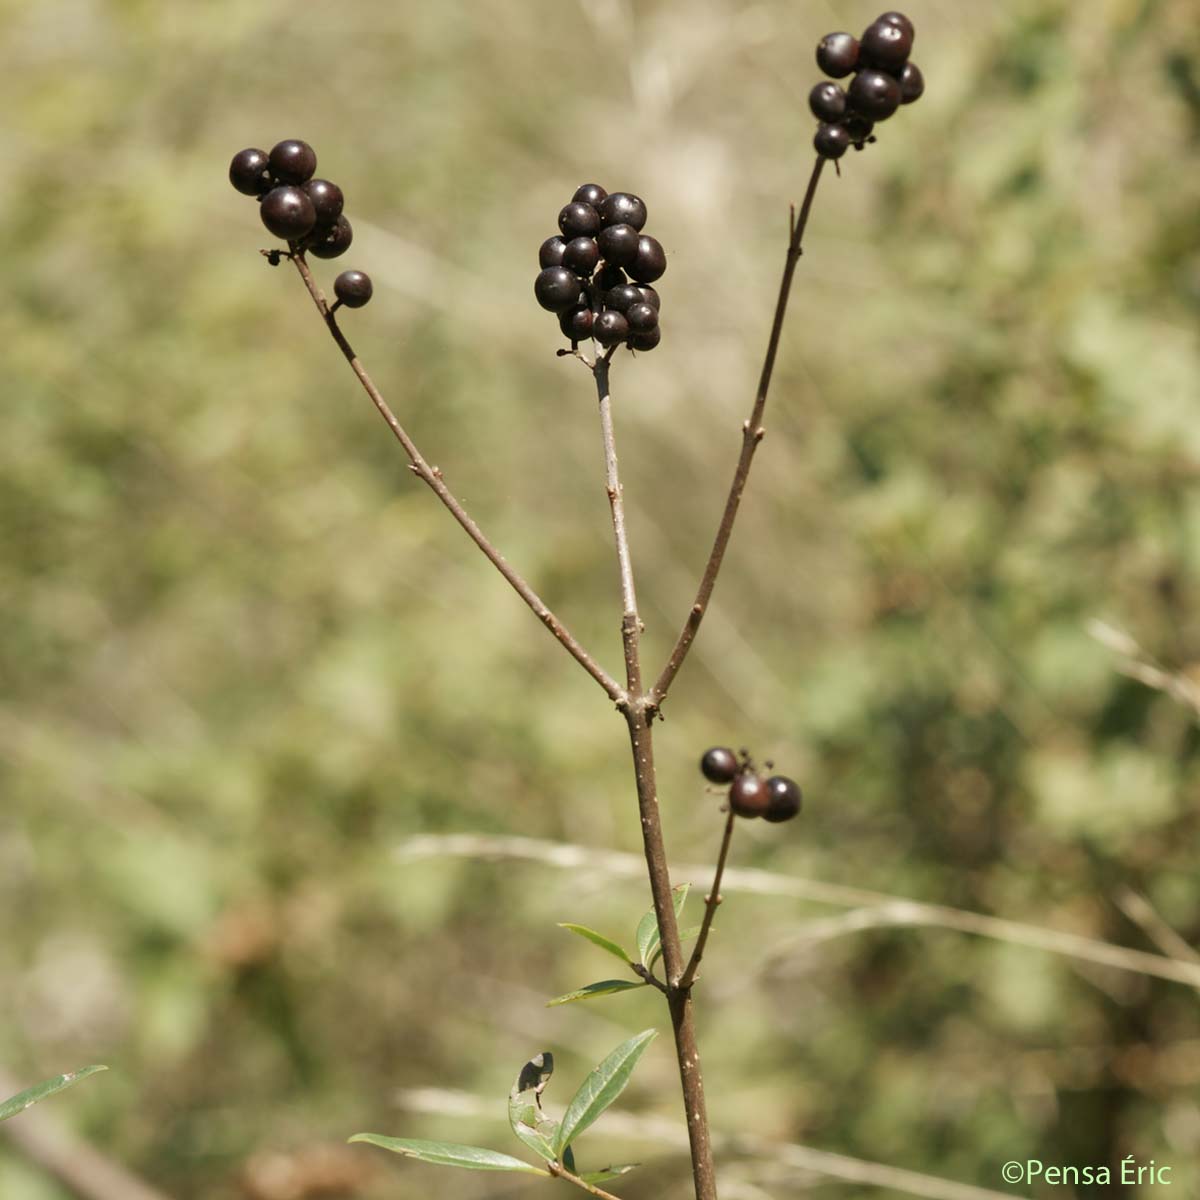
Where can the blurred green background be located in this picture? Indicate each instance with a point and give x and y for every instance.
(245, 655)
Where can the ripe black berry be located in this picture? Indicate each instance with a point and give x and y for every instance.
(885, 46)
(831, 141)
(783, 798)
(650, 296)
(650, 262)
(623, 208)
(875, 95)
(827, 101)
(647, 340)
(619, 245)
(589, 193)
(288, 213)
(609, 277)
(248, 172)
(837, 54)
(912, 83)
(557, 289)
(335, 242)
(858, 128)
(292, 161)
(641, 317)
(897, 18)
(581, 255)
(578, 220)
(748, 795)
(353, 288)
(576, 323)
(551, 251)
(327, 200)
(623, 297)
(610, 327)
(719, 765)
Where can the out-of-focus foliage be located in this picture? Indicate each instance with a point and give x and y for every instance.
(244, 654)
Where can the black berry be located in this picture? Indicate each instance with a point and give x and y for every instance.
(858, 128)
(576, 323)
(885, 46)
(619, 245)
(292, 161)
(551, 251)
(831, 141)
(641, 317)
(609, 277)
(610, 327)
(912, 83)
(897, 18)
(589, 193)
(748, 795)
(581, 255)
(248, 172)
(650, 296)
(623, 208)
(353, 288)
(783, 798)
(623, 297)
(578, 220)
(650, 261)
(335, 242)
(837, 54)
(719, 765)
(647, 340)
(827, 101)
(874, 95)
(288, 213)
(327, 200)
(557, 289)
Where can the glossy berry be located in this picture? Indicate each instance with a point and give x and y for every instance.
(748, 794)
(334, 243)
(885, 46)
(623, 297)
(837, 54)
(578, 220)
(248, 172)
(288, 213)
(827, 101)
(874, 95)
(581, 255)
(783, 798)
(647, 340)
(650, 296)
(327, 200)
(610, 327)
(576, 323)
(831, 141)
(551, 251)
(650, 262)
(858, 128)
(619, 245)
(897, 18)
(557, 289)
(293, 161)
(912, 83)
(353, 288)
(623, 208)
(641, 317)
(589, 193)
(609, 277)
(719, 765)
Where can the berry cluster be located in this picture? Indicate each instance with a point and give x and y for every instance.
(596, 274)
(305, 212)
(751, 794)
(883, 80)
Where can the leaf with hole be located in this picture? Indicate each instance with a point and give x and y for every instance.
(30, 1096)
(597, 939)
(525, 1114)
(602, 1086)
(605, 987)
(449, 1154)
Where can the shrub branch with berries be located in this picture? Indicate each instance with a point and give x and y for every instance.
(597, 276)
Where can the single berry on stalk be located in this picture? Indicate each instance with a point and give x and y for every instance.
(551, 251)
(650, 261)
(327, 200)
(831, 141)
(837, 54)
(912, 83)
(557, 289)
(885, 46)
(646, 341)
(874, 95)
(719, 765)
(248, 172)
(293, 161)
(288, 213)
(589, 193)
(581, 255)
(827, 101)
(748, 795)
(623, 208)
(333, 243)
(641, 317)
(610, 328)
(353, 288)
(619, 245)
(623, 297)
(783, 799)
(578, 220)
(576, 323)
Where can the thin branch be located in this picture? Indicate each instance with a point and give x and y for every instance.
(1141, 912)
(433, 477)
(711, 903)
(561, 1172)
(752, 434)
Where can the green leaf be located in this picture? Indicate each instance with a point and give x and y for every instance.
(23, 1100)
(649, 939)
(525, 1114)
(449, 1154)
(604, 987)
(605, 1083)
(685, 935)
(609, 1173)
(598, 939)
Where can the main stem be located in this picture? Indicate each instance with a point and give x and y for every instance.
(639, 717)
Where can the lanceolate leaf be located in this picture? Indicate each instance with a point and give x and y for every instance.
(525, 1114)
(649, 939)
(608, 1173)
(449, 1154)
(22, 1100)
(598, 939)
(604, 987)
(605, 1083)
